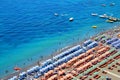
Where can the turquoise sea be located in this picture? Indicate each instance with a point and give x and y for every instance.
(29, 29)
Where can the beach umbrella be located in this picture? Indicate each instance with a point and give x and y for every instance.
(91, 45)
(116, 42)
(73, 49)
(87, 42)
(84, 48)
(112, 40)
(47, 62)
(13, 78)
(70, 56)
(78, 52)
(69, 51)
(59, 56)
(55, 64)
(117, 45)
(22, 74)
(61, 61)
(36, 68)
(65, 59)
(44, 70)
(30, 71)
(50, 66)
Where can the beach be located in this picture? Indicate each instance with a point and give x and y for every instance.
(108, 32)
(32, 31)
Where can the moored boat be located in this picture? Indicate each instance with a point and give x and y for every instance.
(71, 19)
(56, 14)
(110, 21)
(103, 16)
(94, 14)
(94, 26)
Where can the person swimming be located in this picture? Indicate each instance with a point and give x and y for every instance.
(104, 5)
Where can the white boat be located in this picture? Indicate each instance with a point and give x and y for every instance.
(71, 19)
(103, 16)
(94, 14)
(56, 14)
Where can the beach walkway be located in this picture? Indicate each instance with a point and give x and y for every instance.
(112, 74)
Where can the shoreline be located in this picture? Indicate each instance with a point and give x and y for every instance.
(36, 63)
(57, 52)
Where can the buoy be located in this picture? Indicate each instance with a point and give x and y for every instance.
(71, 19)
(56, 14)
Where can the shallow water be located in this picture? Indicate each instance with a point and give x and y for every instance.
(29, 29)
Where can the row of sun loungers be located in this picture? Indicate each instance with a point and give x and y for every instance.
(114, 42)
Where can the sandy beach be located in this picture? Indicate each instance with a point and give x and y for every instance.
(109, 32)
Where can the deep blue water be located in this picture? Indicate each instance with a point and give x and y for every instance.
(29, 28)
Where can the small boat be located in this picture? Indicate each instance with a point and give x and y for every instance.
(110, 21)
(113, 19)
(17, 68)
(56, 14)
(103, 16)
(94, 26)
(94, 14)
(71, 19)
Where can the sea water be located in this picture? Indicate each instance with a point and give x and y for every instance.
(29, 30)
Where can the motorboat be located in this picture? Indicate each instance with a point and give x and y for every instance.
(56, 14)
(103, 16)
(113, 19)
(94, 26)
(110, 21)
(71, 19)
(94, 14)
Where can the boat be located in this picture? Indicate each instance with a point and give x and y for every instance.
(56, 14)
(71, 19)
(17, 68)
(103, 16)
(94, 26)
(94, 14)
(110, 21)
(113, 19)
